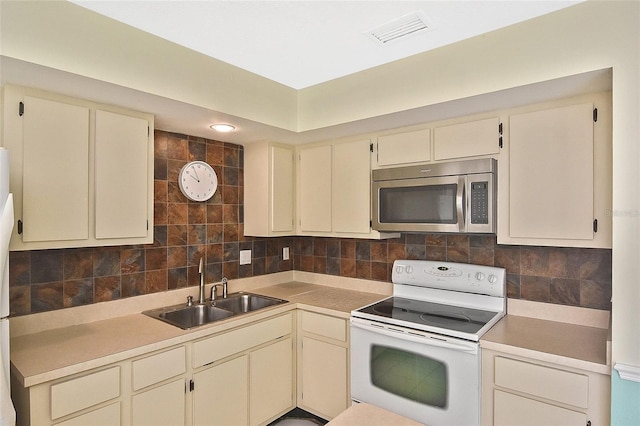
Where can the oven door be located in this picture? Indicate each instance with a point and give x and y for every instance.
(435, 204)
(429, 378)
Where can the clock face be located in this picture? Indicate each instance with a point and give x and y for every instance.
(198, 181)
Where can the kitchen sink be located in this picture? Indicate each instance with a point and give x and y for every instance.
(187, 317)
(241, 303)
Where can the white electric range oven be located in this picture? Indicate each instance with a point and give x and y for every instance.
(417, 353)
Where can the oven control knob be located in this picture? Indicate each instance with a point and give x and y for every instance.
(479, 276)
(399, 269)
(492, 279)
(409, 269)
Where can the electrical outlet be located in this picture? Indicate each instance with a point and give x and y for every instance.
(245, 257)
(285, 253)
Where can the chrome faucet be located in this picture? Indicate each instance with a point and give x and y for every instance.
(214, 290)
(201, 298)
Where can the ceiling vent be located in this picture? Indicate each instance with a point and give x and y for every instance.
(409, 24)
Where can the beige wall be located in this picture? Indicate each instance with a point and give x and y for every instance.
(589, 36)
(64, 36)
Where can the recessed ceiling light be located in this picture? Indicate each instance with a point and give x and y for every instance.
(222, 127)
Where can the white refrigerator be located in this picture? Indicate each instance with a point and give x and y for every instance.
(7, 411)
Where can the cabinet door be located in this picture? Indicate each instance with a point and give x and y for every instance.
(122, 152)
(404, 148)
(551, 173)
(324, 377)
(271, 378)
(164, 404)
(281, 189)
(221, 394)
(314, 193)
(268, 189)
(351, 187)
(55, 185)
(469, 139)
(512, 410)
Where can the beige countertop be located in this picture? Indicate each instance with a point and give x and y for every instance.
(55, 353)
(571, 345)
(370, 415)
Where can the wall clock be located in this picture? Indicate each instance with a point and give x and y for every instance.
(198, 181)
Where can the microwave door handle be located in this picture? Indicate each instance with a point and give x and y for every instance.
(460, 203)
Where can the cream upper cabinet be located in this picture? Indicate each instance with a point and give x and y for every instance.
(467, 139)
(268, 189)
(81, 173)
(121, 180)
(55, 174)
(334, 190)
(351, 182)
(314, 189)
(403, 148)
(556, 189)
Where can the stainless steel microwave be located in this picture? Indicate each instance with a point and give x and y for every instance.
(443, 197)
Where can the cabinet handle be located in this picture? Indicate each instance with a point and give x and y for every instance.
(19, 227)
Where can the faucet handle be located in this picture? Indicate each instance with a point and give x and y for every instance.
(214, 292)
(189, 300)
(224, 287)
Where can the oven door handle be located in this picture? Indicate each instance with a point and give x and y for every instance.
(417, 337)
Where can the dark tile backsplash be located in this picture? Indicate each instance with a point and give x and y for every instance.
(185, 231)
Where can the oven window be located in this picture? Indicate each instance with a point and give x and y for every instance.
(409, 375)
(418, 204)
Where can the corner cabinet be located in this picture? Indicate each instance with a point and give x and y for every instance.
(334, 190)
(245, 376)
(556, 190)
(523, 391)
(323, 364)
(268, 189)
(81, 172)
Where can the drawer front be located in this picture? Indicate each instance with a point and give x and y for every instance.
(545, 382)
(105, 416)
(158, 367)
(323, 325)
(83, 392)
(512, 410)
(217, 347)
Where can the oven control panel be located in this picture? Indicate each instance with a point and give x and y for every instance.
(469, 278)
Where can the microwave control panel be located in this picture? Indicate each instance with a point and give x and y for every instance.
(480, 202)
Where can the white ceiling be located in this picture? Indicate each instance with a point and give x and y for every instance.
(303, 43)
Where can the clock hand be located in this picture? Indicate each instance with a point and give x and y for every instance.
(196, 173)
(196, 179)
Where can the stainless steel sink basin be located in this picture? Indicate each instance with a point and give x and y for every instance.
(241, 303)
(187, 317)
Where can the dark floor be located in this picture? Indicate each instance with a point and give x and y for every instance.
(304, 417)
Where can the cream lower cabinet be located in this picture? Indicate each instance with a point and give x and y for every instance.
(93, 397)
(245, 376)
(158, 383)
(323, 364)
(522, 391)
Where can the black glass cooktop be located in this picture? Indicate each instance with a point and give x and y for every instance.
(466, 320)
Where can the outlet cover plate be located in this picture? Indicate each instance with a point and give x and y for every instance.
(245, 257)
